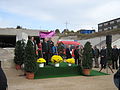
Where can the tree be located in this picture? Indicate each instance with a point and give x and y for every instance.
(72, 31)
(66, 31)
(19, 52)
(30, 58)
(87, 56)
(18, 27)
(57, 31)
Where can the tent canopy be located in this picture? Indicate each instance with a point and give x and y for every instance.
(69, 42)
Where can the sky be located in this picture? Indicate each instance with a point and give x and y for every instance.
(53, 14)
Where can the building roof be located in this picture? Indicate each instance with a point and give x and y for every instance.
(13, 31)
(109, 21)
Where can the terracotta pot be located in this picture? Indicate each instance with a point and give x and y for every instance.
(29, 75)
(18, 67)
(86, 71)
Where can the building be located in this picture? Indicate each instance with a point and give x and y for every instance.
(108, 25)
(8, 35)
(84, 31)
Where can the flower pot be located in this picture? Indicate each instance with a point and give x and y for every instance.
(69, 64)
(18, 67)
(86, 72)
(57, 64)
(41, 65)
(29, 75)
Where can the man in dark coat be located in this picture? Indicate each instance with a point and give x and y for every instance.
(68, 54)
(50, 45)
(3, 79)
(115, 54)
(45, 50)
(96, 56)
(77, 55)
(103, 60)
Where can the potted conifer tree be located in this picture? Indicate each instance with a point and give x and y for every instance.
(19, 54)
(87, 58)
(30, 60)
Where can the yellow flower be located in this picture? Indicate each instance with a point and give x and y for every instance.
(56, 59)
(41, 60)
(70, 60)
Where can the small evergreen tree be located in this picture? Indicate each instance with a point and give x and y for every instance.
(30, 58)
(87, 56)
(19, 52)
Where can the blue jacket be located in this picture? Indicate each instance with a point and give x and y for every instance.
(54, 50)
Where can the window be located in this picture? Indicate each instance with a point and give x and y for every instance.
(100, 25)
(105, 24)
(109, 28)
(105, 28)
(112, 22)
(118, 20)
(114, 27)
(100, 30)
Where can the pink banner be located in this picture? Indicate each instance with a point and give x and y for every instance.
(46, 34)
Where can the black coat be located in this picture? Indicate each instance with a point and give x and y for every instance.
(115, 54)
(68, 54)
(76, 52)
(50, 45)
(103, 56)
(45, 47)
(3, 79)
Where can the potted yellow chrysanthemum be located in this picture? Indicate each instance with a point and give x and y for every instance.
(56, 59)
(70, 61)
(41, 62)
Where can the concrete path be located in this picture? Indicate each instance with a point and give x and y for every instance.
(17, 82)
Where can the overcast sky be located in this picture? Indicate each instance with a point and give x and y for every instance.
(53, 14)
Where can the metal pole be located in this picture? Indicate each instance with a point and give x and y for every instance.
(66, 25)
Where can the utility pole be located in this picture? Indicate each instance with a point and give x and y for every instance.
(66, 24)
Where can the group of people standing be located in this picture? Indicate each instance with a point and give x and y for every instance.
(46, 49)
(115, 56)
(96, 54)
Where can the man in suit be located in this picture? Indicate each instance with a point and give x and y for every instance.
(68, 54)
(50, 45)
(77, 55)
(103, 60)
(96, 56)
(115, 54)
(45, 50)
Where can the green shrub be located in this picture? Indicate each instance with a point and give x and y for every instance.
(87, 56)
(30, 58)
(19, 52)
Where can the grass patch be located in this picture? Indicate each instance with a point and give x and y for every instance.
(63, 71)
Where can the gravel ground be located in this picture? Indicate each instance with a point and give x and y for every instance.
(17, 82)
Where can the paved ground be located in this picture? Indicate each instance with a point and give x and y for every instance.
(17, 82)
